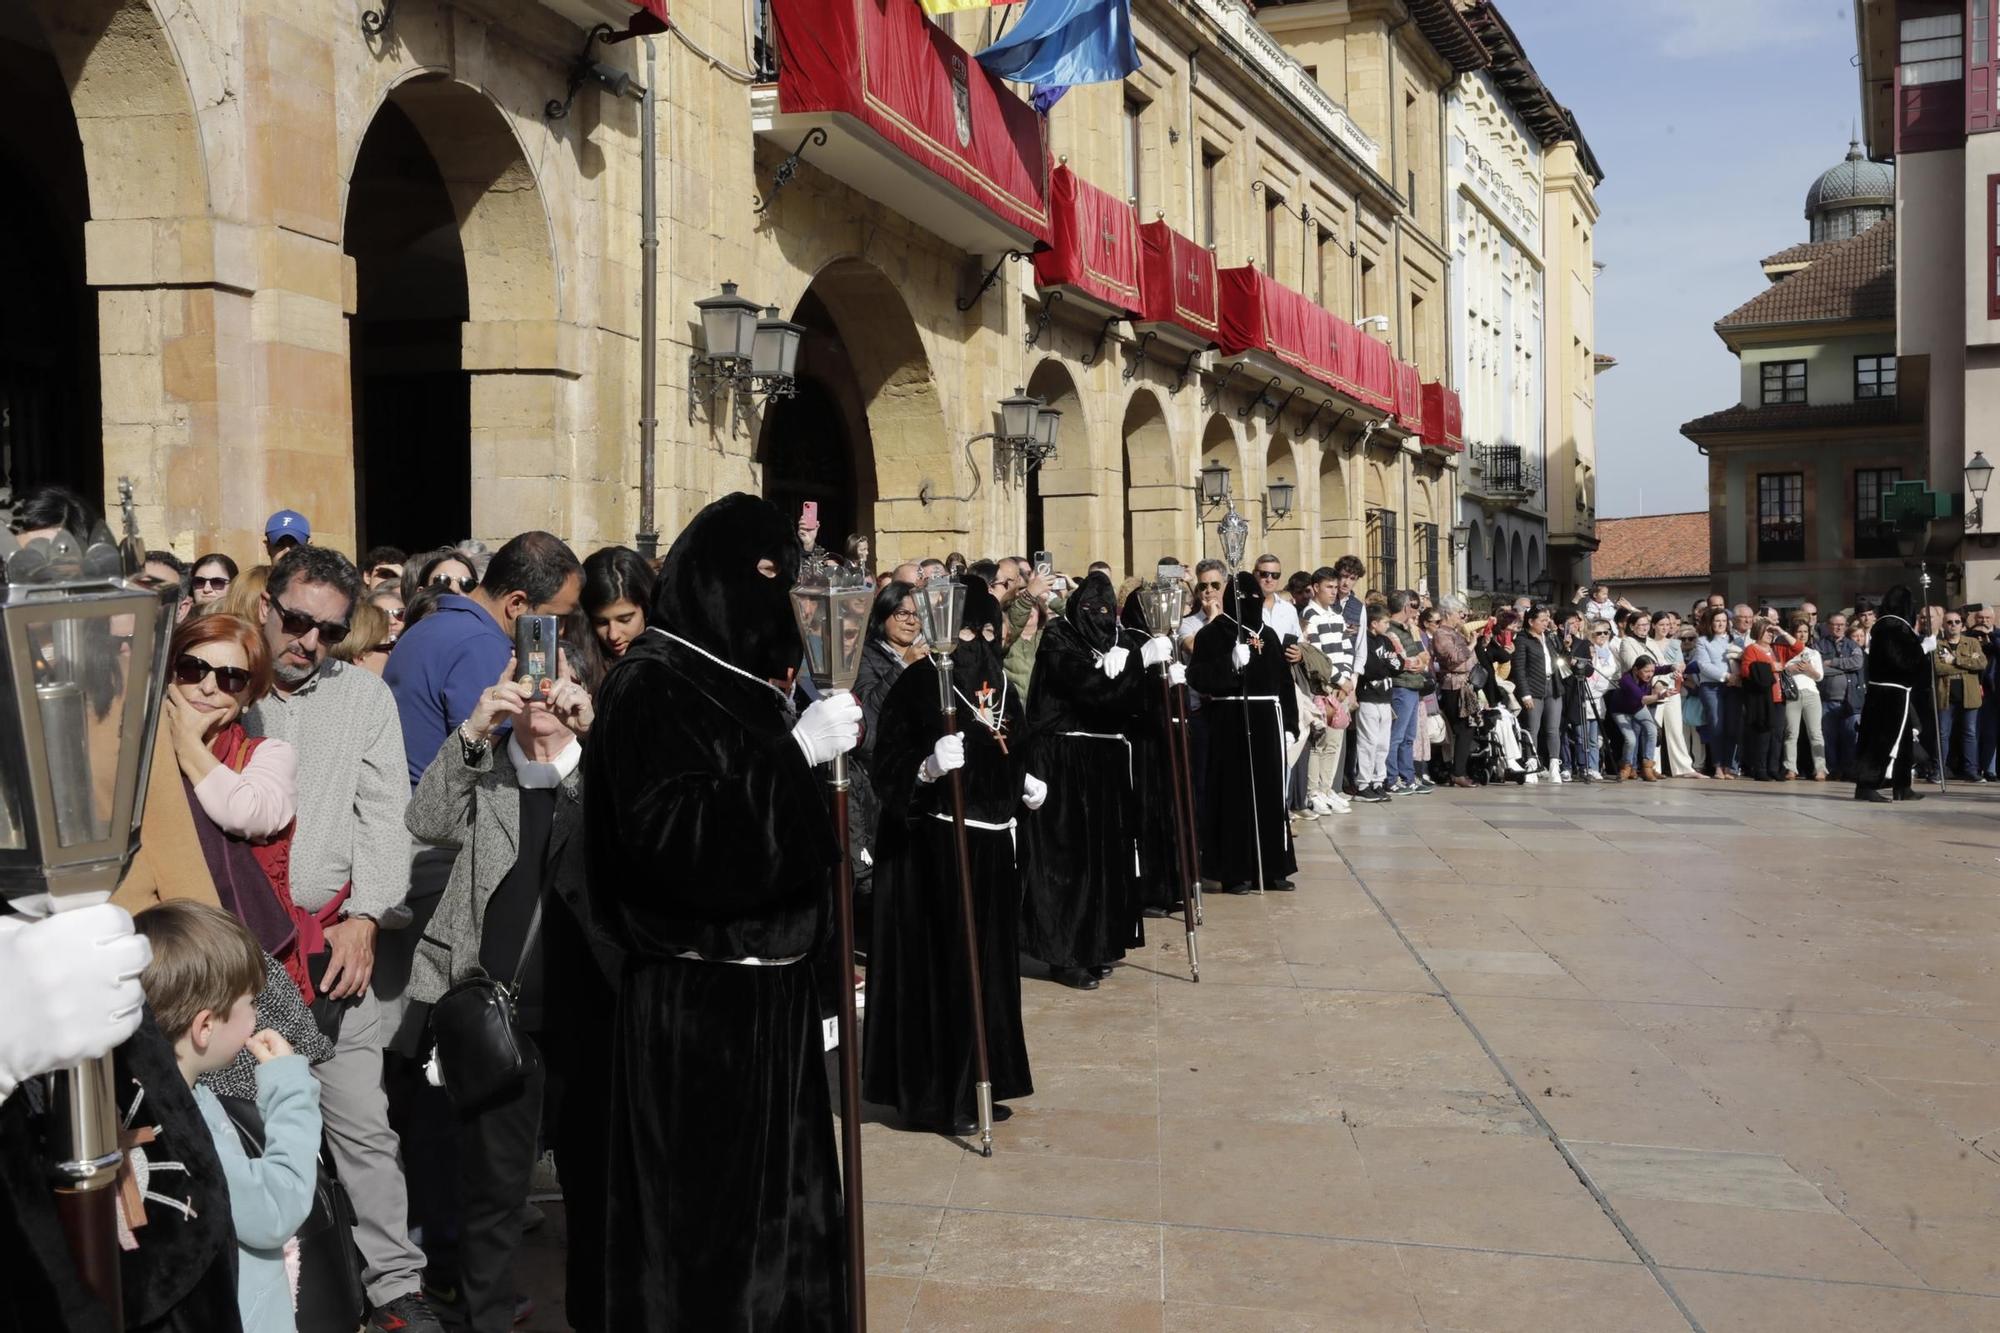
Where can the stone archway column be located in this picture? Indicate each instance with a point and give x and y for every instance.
(1162, 517)
(524, 457)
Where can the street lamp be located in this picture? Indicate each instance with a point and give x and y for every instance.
(1978, 475)
(1028, 432)
(743, 352)
(83, 649)
(1214, 484)
(774, 353)
(1277, 501)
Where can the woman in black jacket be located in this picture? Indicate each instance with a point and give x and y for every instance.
(1539, 665)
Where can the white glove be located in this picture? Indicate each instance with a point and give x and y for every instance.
(1291, 739)
(69, 989)
(1033, 791)
(1157, 649)
(946, 755)
(1239, 656)
(1176, 674)
(1114, 662)
(830, 727)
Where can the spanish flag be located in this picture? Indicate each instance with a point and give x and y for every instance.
(936, 8)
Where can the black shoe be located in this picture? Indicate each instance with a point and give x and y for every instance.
(1371, 795)
(1280, 885)
(1155, 913)
(1076, 978)
(1101, 971)
(1239, 889)
(1904, 795)
(405, 1314)
(1873, 794)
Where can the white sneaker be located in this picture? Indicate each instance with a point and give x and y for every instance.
(1307, 811)
(1337, 804)
(1592, 775)
(1532, 778)
(1558, 776)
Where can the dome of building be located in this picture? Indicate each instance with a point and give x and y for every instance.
(1850, 196)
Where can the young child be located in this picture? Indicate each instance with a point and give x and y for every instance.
(205, 974)
(1381, 660)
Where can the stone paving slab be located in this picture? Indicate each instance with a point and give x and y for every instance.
(1597, 1058)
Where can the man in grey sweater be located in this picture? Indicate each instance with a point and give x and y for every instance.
(350, 861)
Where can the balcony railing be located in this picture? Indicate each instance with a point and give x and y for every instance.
(1243, 33)
(1506, 469)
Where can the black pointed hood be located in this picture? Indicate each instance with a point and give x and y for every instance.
(1245, 601)
(979, 661)
(711, 593)
(1093, 612)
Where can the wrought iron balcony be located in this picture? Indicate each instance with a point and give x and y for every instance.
(1506, 470)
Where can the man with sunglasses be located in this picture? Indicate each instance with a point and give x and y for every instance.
(350, 867)
(382, 566)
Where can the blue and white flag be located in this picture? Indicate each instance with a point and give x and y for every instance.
(1061, 43)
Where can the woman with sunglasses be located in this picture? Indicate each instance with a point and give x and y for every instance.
(213, 574)
(448, 569)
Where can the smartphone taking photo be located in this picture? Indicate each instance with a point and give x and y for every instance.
(535, 648)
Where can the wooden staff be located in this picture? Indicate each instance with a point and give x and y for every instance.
(1176, 778)
(850, 1065)
(985, 1084)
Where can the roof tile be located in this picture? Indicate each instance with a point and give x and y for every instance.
(1851, 279)
(1655, 546)
(1797, 416)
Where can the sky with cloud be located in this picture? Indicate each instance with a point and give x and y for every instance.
(1710, 119)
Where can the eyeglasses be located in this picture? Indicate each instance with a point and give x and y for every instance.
(206, 583)
(1214, 584)
(383, 646)
(189, 670)
(1270, 575)
(448, 583)
(904, 613)
(298, 624)
(1953, 620)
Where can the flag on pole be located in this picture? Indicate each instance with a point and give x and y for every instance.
(1061, 43)
(939, 8)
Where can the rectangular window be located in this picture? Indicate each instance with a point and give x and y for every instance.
(1272, 204)
(1210, 161)
(1383, 538)
(1932, 49)
(1873, 538)
(1993, 247)
(1135, 151)
(1874, 377)
(1424, 537)
(1781, 517)
(1783, 382)
(1322, 256)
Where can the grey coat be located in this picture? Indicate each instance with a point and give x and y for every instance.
(476, 808)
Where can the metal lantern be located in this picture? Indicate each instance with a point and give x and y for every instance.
(1019, 416)
(728, 325)
(1234, 530)
(1160, 604)
(833, 612)
(1278, 499)
(1048, 424)
(774, 348)
(1214, 484)
(940, 607)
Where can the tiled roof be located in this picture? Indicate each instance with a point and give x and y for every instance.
(1802, 253)
(1656, 546)
(1854, 279)
(1798, 416)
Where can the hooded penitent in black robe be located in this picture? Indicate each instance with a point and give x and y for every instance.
(711, 843)
(1081, 909)
(918, 1056)
(1261, 698)
(1159, 858)
(1896, 712)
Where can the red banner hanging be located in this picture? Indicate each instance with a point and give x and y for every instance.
(1176, 281)
(1444, 417)
(1093, 242)
(1409, 396)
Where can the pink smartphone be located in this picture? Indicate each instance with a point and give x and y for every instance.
(809, 512)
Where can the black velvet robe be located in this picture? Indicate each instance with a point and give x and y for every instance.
(1228, 823)
(918, 1056)
(1082, 903)
(710, 834)
(1159, 857)
(1897, 717)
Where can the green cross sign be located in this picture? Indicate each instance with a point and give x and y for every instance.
(1908, 504)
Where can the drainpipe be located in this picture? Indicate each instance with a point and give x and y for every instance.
(647, 539)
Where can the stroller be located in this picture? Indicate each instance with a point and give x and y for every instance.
(1501, 750)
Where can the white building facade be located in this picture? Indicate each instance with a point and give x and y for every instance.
(1494, 165)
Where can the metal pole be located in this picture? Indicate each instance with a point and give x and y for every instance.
(648, 537)
(1184, 723)
(1250, 762)
(984, 1087)
(850, 1065)
(1938, 741)
(1175, 777)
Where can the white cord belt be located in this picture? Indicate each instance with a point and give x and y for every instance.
(694, 957)
(1013, 841)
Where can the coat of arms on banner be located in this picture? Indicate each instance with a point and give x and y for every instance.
(961, 98)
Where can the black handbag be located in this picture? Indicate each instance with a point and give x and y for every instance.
(476, 1048)
(1788, 686)
(331, 1296)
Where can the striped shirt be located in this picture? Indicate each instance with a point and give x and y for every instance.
(1326, 629)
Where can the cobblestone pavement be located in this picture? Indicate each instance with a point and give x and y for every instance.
(1631, 1057)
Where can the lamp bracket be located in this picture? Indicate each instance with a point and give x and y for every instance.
(1327, 434)
(789, 168)
(1324, 404)
(1180, 380)
(1286, 406)
(579, 69)
(1049, 302)
(1138, 354)
(1258, 401)
(1221, 385)
(1303, 212)
(1103, 335)
(992, 274)
(376, 22)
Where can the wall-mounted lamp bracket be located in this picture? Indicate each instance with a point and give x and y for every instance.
(992, 275)
(1138, 354)
(789, 168)
(1102, 335)
(375, 22)
(1259, 401)
(1049, 302)
(579, 72)
(1221, 386)
(1180, 380)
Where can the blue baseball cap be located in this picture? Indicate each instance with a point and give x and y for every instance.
(288, 523)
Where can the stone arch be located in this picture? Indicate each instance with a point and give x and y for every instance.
(1337, 534)
(1475, 570)
(1517, 565)
(865, 361)
(1065, 498)
(1219, 445)
(454, 336)
(1534, 567)
(1288, 538)
(120, 199)
(1423, 575)
(1156, 498)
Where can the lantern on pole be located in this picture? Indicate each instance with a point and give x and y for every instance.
(1160, 605)
(83, 658)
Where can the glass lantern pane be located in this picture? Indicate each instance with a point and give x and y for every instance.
(852, 607)
(82, 666)
(809, 605)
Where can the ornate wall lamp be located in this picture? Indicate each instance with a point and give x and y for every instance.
(746, 353)
(1029, 428)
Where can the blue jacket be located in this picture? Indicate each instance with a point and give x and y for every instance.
(441, 666)
(269, 1196)
(1710, 659)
